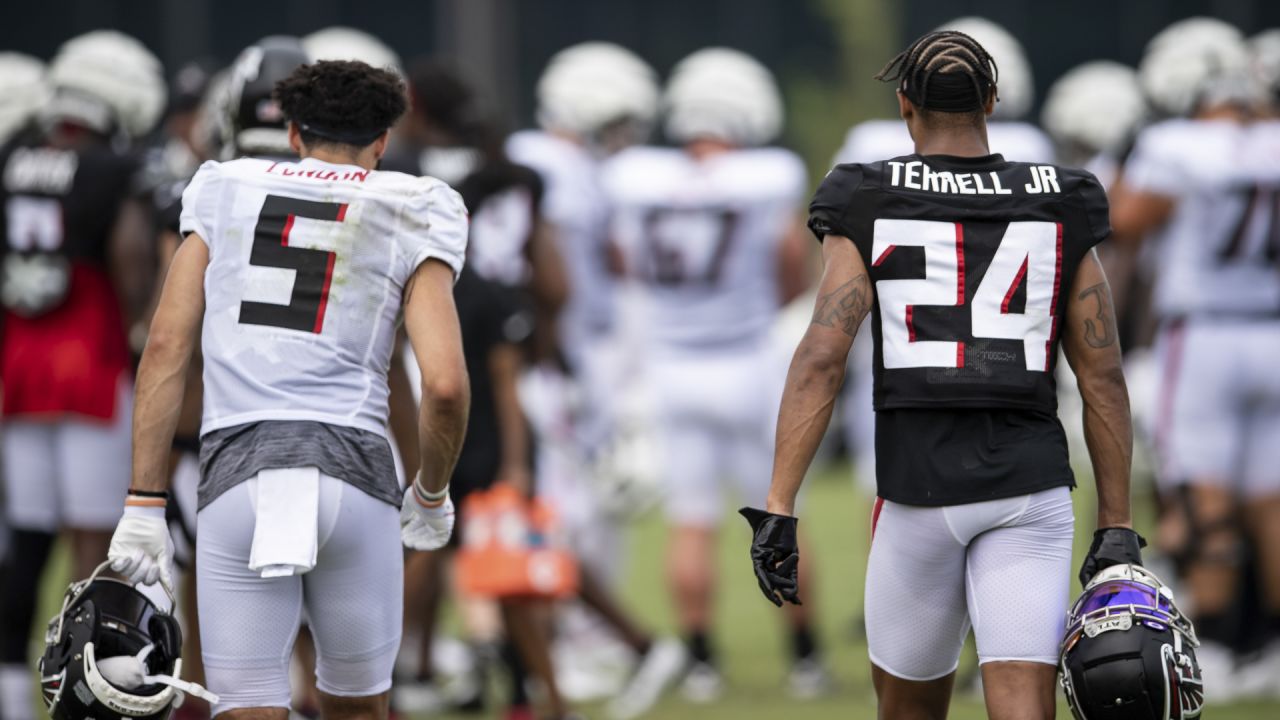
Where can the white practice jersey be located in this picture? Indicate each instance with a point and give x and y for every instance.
(703, 238)
(1219, 253)
(575, 204)
(307, 265)
(876, 140)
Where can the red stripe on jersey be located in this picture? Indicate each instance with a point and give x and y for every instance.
(1017, 280)
(959, 264)
(911, 326)
(875, 515)
(288, 227)
(324, 293)
(959, 354)
(342, 212)
(884, 255)
(1053, 306)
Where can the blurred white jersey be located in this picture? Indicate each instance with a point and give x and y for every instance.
(307, 265)
(703, 238)
(1219, 253)
(875, 140)
(575, 204)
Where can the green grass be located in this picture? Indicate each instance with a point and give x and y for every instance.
(749, 631)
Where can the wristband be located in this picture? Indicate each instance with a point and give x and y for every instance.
(430, 499)
(146, 498)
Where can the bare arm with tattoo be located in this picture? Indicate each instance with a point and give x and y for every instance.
(817, 370)
(1090, 343)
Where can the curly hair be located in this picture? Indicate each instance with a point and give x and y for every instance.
(341, 102)
(945, 70)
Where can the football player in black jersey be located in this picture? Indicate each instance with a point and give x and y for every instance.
(977, 269)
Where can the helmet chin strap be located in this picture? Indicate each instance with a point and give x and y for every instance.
(184, 686)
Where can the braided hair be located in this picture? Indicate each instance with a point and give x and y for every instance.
(945, 70)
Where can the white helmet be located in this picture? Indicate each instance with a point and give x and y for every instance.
(588, 86)
(23, 91)
(1264, 50)
(1015, 84)
(1097, 105)
(107, 80)
(724, 94)
(1194, 60)
(344, 43)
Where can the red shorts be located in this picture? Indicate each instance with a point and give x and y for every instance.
(69, 360)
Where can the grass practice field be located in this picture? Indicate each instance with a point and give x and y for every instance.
(750, 635)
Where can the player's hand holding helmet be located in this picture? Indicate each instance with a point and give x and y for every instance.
(1111, 546)
(110, 652)
(141, 548)
(775, 555)
(1129, 652)
(426, 519)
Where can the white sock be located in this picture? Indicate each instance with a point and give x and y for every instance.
(17, 692)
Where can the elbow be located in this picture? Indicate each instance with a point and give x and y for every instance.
(1103, 385)
(448, 392)
(167, 345)
(820, 364)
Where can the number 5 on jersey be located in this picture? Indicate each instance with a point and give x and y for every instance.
(313, 268)
(1029, 252)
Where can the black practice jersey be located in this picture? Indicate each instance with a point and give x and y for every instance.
(972, 260)
(57, 207)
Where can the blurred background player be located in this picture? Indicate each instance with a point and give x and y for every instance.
(508, 275)
(710, 231)
(593, 100)
(23, 91)
(77, 275)
(1201, 187)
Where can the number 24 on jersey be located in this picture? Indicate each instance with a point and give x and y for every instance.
(1029, 252)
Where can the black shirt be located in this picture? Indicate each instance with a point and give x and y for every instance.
(972, 260)
(491, 316)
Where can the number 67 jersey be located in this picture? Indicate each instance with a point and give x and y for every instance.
(972, 260)
(307, 266)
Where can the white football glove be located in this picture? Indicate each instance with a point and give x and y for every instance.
(141, 548)
(422, 527)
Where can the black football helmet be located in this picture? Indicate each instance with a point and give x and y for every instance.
(111, 654)
(252, 121)
(1129, 653)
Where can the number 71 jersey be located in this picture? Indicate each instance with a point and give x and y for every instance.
(972, 261)
(307, 267)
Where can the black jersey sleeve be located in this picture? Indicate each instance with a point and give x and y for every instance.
(1093, 202)
(829, 209)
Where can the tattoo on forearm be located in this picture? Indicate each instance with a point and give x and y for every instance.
(1100, 330)
(845, 307)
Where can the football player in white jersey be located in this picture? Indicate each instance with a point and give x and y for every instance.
(1202, 188)
(710, 232)
(293, 277)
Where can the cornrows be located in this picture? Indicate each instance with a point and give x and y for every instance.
(946, 52)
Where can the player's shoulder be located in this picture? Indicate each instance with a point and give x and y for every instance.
(1020, 141)
(873, 139)
(643, 171)
(768, 162)
(1189, 141)
(542, 149)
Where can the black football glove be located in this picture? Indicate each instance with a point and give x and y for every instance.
(1111, 546)
(774, 554)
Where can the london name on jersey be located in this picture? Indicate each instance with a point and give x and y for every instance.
(917, 175)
